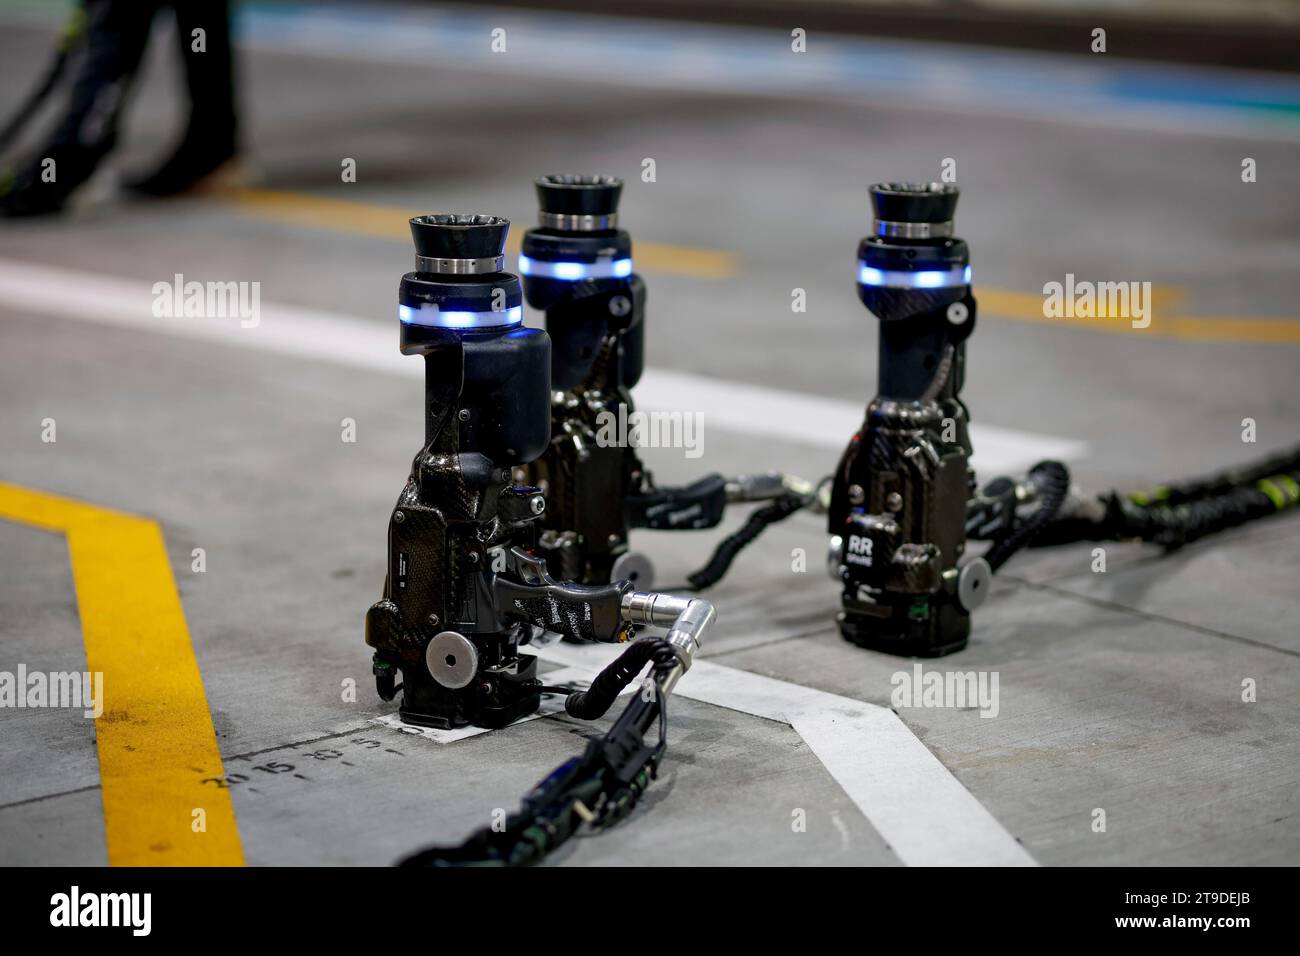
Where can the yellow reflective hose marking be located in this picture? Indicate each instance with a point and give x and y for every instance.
(1274, 493)
(1283, 497)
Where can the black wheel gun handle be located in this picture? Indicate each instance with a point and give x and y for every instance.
(584, 612)
(697, 505)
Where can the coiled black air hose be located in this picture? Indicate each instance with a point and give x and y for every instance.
(730, 546)
(1176, 514)
(592, 703)
(1173, 526)
(1052, 480)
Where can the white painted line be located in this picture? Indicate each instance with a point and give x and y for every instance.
(341, 339)
(128, 304)
(921, 810)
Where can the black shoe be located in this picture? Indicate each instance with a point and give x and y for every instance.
(39, 200)
(193, 164)
(32, 195)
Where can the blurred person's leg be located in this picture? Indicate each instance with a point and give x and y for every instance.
(210, 138)
(117, 32)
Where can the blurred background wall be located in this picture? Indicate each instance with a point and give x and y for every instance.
(1264, 34)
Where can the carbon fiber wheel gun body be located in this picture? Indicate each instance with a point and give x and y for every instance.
(467, 586)
(898, 502)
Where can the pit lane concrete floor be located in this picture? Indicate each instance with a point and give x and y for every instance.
(1119, 690)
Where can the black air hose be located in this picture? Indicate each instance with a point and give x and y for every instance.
(1053, 482)
(592, 703)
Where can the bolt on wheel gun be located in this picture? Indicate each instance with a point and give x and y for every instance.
(577, 267)
(898, 505)
(465, 587)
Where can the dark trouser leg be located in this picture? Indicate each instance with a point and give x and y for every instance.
(209, 75)
(210, 133)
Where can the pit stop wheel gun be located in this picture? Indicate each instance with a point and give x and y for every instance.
(577, 268)
(897, 515)
(466, 586)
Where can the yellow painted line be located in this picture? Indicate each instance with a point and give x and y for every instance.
(338, 215)
(390, 222)
(155, 737)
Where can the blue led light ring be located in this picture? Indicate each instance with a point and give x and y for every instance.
(953, 278)
(430, 316)
(574, 271)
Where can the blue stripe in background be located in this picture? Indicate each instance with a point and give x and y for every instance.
(746, 60)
